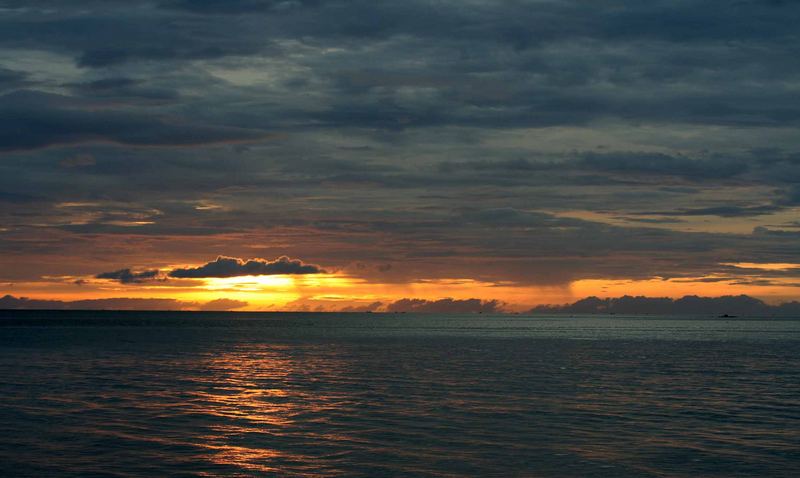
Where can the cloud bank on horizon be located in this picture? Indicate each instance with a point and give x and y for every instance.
(525, 143)
(224, 266)
(688, 305)
(725, 306)
(9, 302)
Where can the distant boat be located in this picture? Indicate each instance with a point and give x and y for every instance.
(726, 316)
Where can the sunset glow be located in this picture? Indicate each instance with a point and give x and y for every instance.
(341, 291)
(268, 163)
(435, 238)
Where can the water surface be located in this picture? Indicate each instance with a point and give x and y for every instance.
(171, 394)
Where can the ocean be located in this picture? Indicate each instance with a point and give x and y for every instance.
(145, 394)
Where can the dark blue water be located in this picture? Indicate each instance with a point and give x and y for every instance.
(150, 394)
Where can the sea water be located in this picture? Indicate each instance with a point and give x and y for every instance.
(123, 394)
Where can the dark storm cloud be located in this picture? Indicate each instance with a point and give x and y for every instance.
(115, 34)
(34, 120)
(741, 305)
(235, 6)
(511, 165)
(532, 247)
(123, 88)
(18, 198)
(10, 79)
(663, 165)
(491, 65)
(619, 163)
(126, 276)
(233, 267)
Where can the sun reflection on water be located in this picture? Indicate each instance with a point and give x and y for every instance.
(254, 395)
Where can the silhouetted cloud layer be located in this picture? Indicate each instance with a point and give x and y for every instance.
(223, 304)
(372, 307)
(688, 305)
(126, 276)
(446, 306)
(34, 120)
(122, 303)
(224, 266)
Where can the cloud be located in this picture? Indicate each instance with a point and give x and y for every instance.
(791, 196)
(721, 211)
(79, 161)
(118, 303)
(373, 307)
(233, 7)
(126, 276)
(618, 163)
(223, 305)
(446, 306)
(688, 305)
(11, 302)
(224, 266)
(121, 88)
(32, 119)
(659, 164)
(448, 138)
(10, 79)
(18, 198)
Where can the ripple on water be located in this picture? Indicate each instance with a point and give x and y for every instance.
(242, 401)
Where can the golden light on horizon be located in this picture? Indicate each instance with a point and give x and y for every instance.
(710, 286)
(768, 266)
(340, 290)
(249, 283)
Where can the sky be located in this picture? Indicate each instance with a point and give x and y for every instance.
(353, 155)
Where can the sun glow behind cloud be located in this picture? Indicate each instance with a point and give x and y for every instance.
(249, 283)
(273, 292)
(337, 291)
(779, 266)
(346, 289)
